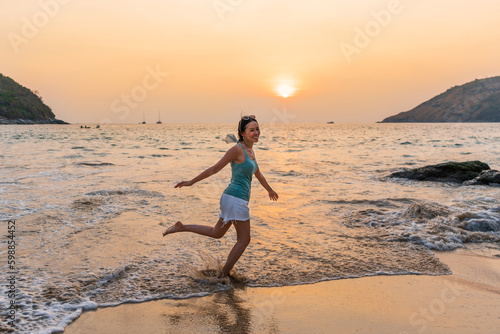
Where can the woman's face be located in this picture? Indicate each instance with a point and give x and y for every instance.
(252, 131)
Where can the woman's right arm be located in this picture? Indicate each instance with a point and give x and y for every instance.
(230, 155)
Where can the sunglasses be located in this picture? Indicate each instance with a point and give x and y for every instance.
(246, 118)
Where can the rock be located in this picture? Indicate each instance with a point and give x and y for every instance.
(480, 225)
(445, 172)
(486, 177)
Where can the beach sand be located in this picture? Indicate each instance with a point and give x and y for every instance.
(468, 301)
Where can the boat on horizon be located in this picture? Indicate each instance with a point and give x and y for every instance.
(159, 121)
(331, 122)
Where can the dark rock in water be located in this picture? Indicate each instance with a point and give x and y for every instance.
(480, 225)
(445, 172)
(486, 177)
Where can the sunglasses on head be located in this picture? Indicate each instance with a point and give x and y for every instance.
(246, 118)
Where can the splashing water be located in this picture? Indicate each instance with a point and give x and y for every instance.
(90, 208)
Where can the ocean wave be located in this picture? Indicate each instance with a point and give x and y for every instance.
(432, 225)
(91, 234)
(95, 164)
(125, 192)
(386, 203)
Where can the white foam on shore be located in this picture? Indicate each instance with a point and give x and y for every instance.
(433, 225)
(90, 236)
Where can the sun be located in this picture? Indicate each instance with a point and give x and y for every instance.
(285, 90)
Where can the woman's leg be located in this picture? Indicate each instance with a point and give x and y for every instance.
(243, 239)
(216, 231)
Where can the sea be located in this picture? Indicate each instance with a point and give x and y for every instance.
(90, 206)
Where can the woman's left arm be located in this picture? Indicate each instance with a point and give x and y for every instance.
(272, 194)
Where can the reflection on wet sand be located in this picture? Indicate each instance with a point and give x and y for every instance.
(229, 311)
(224, 312)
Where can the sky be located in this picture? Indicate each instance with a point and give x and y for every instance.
(198, 61)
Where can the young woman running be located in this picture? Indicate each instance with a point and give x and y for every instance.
(234, 200)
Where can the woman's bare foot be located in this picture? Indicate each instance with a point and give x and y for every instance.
(174, 228)
(224, 275)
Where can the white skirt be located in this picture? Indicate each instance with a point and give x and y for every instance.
(233, 209)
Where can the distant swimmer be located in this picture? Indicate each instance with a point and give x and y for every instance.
(234, 200)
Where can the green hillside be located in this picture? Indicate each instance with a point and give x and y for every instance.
(476, 101)
(19, 104)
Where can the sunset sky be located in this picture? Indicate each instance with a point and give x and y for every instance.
(210, 60)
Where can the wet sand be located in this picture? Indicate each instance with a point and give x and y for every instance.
(468, 301)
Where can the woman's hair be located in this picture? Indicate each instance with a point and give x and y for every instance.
(242, 125)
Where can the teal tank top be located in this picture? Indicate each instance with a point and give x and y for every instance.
(241, 178)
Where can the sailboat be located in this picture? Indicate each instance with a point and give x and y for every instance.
(159, 122)
(143, 118)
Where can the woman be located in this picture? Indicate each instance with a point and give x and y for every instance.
(234, 200)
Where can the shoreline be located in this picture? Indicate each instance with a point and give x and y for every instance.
(20, 121)
(463, 302)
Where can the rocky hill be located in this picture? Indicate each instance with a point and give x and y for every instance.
(20, 105)
(476, 101)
